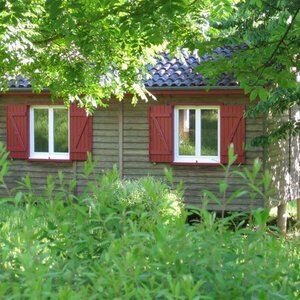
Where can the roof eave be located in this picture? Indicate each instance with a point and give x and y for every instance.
(165, 90)
(29, 89)
(193, 88)
(196, 90)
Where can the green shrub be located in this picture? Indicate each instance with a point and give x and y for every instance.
(130, 240)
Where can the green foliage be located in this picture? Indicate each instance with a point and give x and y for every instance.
(264, 38)
(256, 186)
(209, 132)
(281, 101)
(4, 167)
(129, 240)
(61, 129)
(90, 50)
(186, 147)
(41, 134)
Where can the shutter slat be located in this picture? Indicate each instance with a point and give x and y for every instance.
(233, 131)
(80, 133)
(161, 133)
(17, 134)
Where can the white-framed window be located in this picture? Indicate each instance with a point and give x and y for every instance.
(49, 132)
(197, 134)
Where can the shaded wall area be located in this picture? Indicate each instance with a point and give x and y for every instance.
(295, 157)
(283, 160)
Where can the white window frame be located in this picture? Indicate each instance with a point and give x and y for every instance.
(50, 154)
(198, 158)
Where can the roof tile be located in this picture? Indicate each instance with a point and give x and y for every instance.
(168, 72)
(173, 72)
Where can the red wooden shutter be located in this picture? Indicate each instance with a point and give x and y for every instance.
(161, 133)
(80, 133)
(17, 134)
(233, 131)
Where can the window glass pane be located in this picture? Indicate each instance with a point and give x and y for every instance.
(209, 132)
(60, 121)
(187, 131)
(41, 130)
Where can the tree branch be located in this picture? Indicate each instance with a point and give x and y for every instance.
(48, 40)
(266, 64)
(283, 37)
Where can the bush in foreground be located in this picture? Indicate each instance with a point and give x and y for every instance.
(130, 240)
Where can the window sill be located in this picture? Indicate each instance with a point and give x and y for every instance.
(196, 164)
(49, 160)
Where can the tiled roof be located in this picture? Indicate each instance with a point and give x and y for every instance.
(172, 72)
(19, 83)
(167, 72)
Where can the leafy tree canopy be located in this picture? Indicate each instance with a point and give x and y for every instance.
(93, 49)
(89, 50)
(267, 60)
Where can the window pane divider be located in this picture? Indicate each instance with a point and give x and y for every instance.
(198, 132)
(50, 131)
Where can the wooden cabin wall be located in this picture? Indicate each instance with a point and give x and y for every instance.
(195, 178)
(295, 157)
(120, 137)
(277, 162)
(38, 171)
(283, 160)
(106, 146)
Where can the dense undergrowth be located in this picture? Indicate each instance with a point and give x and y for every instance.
(130, 240)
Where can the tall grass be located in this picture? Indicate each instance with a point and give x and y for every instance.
(130, 240)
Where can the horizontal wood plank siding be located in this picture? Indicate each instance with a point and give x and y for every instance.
(134, 147)
(105, 141)
(38, 171)
(195, 178)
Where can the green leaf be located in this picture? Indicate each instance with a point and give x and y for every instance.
(237, 194)
(223, 186)
(253, 94)
(231, 156)
(211, 196)
(263, 94)
(247, 89)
